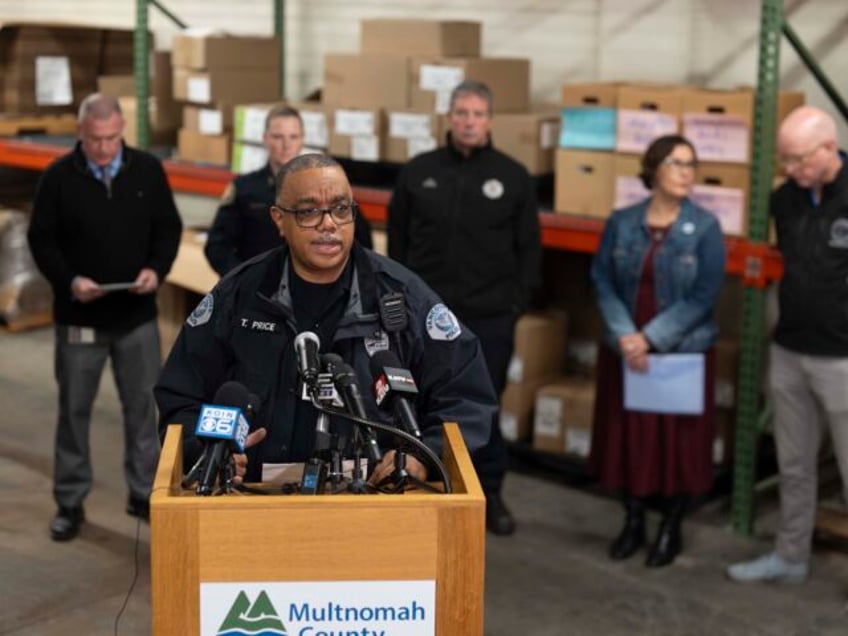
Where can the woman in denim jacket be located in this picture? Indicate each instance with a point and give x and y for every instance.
(657, 275)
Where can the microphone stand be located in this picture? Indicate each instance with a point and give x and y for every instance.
(402, 480)
(358, 484)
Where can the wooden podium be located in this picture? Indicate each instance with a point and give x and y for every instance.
(301, 538)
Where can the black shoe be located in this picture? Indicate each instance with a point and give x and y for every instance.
(137, 507)
(667, 546)
(632, 536)
(66, 524)
(498, 517)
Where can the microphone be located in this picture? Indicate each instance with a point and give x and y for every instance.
(225, 429)
(306, 346)
(393, 387)
(344, 379)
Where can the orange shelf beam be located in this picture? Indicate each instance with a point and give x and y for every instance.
(756, 263)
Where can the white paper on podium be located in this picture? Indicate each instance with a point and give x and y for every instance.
(674, 383)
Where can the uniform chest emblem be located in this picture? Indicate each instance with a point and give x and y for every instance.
(202, 313)
(380, 342)
(493, 189)
(442, 324)
(839, 234)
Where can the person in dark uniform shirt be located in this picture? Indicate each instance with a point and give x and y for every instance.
(464, 217)
(243, 227)
(320, 279)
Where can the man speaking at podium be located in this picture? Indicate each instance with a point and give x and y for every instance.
(321, 280)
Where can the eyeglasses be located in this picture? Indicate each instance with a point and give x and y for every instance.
(793, 161)
(677, 164)
(341, 213)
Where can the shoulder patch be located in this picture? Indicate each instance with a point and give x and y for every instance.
(442, 324)
(229, 195)
(202, 313)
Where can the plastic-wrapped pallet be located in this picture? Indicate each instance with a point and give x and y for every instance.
(25, 295)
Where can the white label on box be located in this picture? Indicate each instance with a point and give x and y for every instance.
(443, 101)
(355, 122)
(578, 441)
(247, 158)
(210, 122)
(515, 372)
(509, 426)
(718, 450)
(548, 419)
(717, 137)
(629, 191)
(53, 81)
(251, 123)
(199, 90)
(440, 78)
(315, 129)
(418, 145)
(365, 148)
(407, 125)
(636, 129)
(727, 204)
(549, 134)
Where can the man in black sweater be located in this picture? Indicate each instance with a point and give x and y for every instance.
(464, 218)
(104, 232)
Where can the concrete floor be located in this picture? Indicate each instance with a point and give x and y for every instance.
(551, 579)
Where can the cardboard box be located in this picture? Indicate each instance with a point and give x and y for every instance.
(442, 38)
(433, 79)
(629, 189)
(162, 126)
(722, 189)
(358, 134)
(602, 94)
(646, 112)
(517, 402)
(529, 138)
(206, 51)
(49, 68)
(247, 157)
(211, 149)
(226, 86)
(539, 347)
(562, 422)
(718, 123)
(216, 120)
(317, 123)
(366, 81)
(411, 132)
(116, 85)
(583, 183)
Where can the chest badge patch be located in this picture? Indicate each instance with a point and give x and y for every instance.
(429, 182)
(839, 234)
(442, 324)
(202, 313)
(493, 189)
(380, 342)
(688, 227)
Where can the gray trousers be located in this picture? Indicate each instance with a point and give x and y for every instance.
(810, 396)
(79, 365)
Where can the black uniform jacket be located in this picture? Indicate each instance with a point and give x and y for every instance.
(244, 330)
(243, 227)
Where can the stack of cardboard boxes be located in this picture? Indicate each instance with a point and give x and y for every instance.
(212, 73)
(607, 127)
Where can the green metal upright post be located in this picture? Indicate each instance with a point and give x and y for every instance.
(141, 61)
(753, 311)
(279, 31)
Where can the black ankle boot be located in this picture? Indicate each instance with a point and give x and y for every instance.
(669, 541)
(632, 535)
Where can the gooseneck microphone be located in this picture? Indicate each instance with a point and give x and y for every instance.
(224, 427)
(306, 347)
(344, 379)
(394, 387)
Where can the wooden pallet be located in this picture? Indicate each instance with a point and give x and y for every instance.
(15, 125)
(25, 321)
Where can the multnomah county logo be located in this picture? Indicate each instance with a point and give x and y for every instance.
(258, 619)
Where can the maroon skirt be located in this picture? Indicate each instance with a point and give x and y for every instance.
(647, 454)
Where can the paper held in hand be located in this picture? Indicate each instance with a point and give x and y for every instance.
(674, 384)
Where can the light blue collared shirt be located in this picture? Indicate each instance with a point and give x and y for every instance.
(112, 167)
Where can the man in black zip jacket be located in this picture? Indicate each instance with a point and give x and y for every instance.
(323, 281)
(464, 218)
(104, 232)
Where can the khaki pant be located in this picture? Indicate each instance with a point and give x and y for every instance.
(810, 396)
